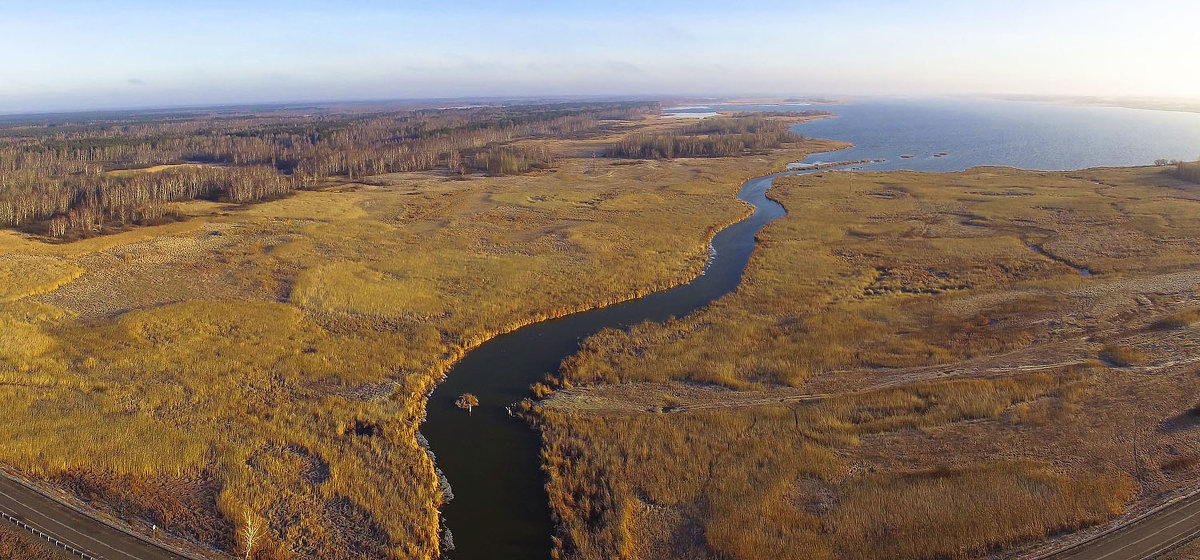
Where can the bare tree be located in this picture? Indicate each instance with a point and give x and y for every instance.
(250, 534)
(467, 402)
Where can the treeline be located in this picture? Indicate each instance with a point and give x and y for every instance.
(85, 203)
(513, 161)
(60, 175)
(712, 137)
(747, 122)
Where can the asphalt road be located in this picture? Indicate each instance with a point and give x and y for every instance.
(74, 528)
(1146, 538)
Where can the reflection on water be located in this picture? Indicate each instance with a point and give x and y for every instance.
(956, 134)
(492, 460)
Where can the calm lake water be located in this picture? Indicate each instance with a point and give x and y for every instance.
(492, 460)
(975, 132)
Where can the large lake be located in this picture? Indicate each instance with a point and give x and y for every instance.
(492, 460)
(993, 132)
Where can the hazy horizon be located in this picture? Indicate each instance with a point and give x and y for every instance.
(126, 54)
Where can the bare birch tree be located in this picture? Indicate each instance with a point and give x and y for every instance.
(251, 531)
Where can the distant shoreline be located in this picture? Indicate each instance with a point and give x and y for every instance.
(1170, 104)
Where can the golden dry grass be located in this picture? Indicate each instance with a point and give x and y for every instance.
(906, 277)
(1178, 320)
(274, 358)
(776, 481)
(967, 512)
(23, 276)
(155, 169)
(236, 398)
(910, 270)
(1123, 356)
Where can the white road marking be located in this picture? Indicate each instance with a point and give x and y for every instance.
(1171, 544)
(69, 528)
(1168, 527)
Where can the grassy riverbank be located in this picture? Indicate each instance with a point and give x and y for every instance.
(959, 376)
(273, 358)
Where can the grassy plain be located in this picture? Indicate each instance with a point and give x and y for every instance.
(273, 358)
(906, 351)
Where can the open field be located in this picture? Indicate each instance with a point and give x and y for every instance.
(906, 351)
(271, 359)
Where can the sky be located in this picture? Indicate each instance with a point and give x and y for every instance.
(73, 55)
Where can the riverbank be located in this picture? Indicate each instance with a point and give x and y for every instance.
(500, 517)
(890, 339)
(280, 353)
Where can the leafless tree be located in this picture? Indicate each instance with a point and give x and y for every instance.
(251, 532)
(79, 174)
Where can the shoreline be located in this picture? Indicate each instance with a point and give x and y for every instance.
(443, 368)
(1147, 103)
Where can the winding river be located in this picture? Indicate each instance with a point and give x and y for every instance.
(492, 460)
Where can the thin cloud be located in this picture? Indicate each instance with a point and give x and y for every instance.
(622, 67)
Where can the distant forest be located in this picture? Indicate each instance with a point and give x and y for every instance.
(733, 135)
(70, 178)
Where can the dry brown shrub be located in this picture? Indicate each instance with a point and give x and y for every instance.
(1123, 356)
(967, 512)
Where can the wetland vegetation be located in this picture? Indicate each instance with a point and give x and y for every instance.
(312, 280)
(217, 323)
(720, 136)
(269, 361)
(896, 358)
(81, 177)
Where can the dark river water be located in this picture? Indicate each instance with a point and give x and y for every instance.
(492, 461)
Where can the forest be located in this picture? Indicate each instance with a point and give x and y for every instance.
(76, 178)
(271, 362)
(734, 135)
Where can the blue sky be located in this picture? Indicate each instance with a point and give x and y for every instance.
(126, 53)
